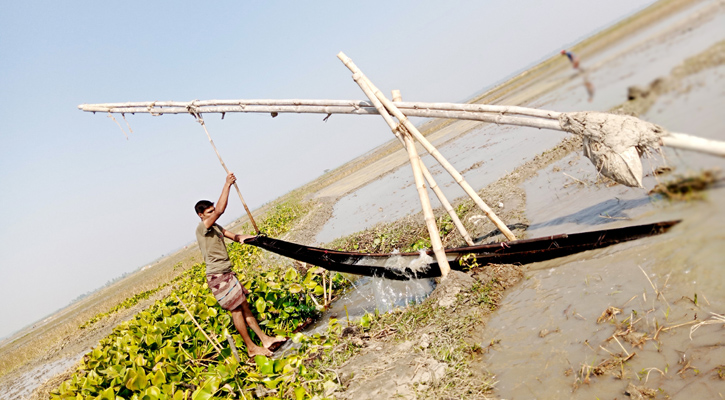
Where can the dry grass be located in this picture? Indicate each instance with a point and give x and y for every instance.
(633, 330)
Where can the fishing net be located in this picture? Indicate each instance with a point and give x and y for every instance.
(614, 143)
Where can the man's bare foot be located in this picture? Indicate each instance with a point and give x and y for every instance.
(258, 351)
(269, 341)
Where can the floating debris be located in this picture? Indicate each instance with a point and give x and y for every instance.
(687, 187)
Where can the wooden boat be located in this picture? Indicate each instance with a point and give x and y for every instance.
(404, 266)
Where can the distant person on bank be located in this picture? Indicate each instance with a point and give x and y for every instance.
(223, 283)
(573, 59)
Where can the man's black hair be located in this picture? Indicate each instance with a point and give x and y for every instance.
(202, 205)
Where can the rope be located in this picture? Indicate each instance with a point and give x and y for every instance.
(123, 115)
(119, 125)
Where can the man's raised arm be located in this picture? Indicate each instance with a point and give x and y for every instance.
(221, 205)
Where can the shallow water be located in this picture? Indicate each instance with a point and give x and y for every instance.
(26, 383)
(394, 196)
(370, 295)
(569, 294)
(636, 61)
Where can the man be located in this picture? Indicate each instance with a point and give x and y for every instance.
(572, 58)
(222, 282)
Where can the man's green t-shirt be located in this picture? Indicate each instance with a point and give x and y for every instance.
(211, 243)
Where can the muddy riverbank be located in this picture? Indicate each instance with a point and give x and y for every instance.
(602, 324)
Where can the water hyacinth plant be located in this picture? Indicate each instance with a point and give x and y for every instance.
(162, 354)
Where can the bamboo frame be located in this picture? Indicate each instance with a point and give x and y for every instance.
(415, 163)
(431, 181)
(430, 148)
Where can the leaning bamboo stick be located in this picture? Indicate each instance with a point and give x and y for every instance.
(244, 203)
(451, 170)
(396, 95)
(214, 343)
(430, 148)
(329, 292)
(431, 181)
(415, 163)
(433, 232)
(446, 204)
(233, 346)
(458, 178)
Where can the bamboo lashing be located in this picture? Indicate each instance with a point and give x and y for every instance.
(249, 213)
(430, 148)
(415, 163)
(432, 183)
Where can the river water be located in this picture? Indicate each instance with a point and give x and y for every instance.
(566, 296)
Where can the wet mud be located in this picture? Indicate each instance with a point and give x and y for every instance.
(645, 318)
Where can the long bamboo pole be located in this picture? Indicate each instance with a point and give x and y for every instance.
(483, 116)
(267, 105)
(431, 181)
(415, 163)
(497, 114)
(430, 148)
(249, 213)
(689, 142)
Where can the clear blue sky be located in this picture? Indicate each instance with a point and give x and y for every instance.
(80, 204)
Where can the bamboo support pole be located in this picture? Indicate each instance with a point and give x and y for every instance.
(249, 213)
(329, 292)
(216, 345)
(432, 183)
(415, 163)
(430, 148)
(324, 289)
(433, 232)
(396, 95)
(233, 346)
(439, 157)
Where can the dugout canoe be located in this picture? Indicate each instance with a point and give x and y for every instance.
(404, 266)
